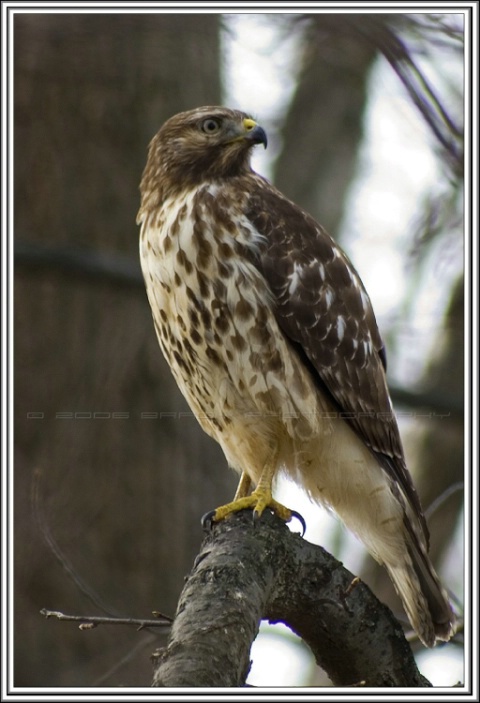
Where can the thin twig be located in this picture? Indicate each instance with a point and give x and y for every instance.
(94, 620)
(44, 530)
(443, 497)
(148, 639)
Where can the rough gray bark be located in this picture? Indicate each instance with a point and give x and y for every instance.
(246, 572)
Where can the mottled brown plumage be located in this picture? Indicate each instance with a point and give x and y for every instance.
(272, 339)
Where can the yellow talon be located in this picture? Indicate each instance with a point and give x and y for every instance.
(258, 501)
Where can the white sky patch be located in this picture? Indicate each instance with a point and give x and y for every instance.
(442, 666)
(292, 664)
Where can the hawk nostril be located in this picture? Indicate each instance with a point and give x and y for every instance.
(249, 124)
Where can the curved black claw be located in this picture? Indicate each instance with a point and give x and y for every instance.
(207, 520)
(300, 520)
(256, 516)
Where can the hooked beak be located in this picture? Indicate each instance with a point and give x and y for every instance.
(246, 131)
(254, 133)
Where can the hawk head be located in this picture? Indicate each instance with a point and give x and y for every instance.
(207, 143)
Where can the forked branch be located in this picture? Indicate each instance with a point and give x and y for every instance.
(247, 572)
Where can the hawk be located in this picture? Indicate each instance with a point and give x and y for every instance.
(272, 339)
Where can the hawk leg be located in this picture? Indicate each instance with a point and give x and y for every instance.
(243, 488)
(258, 500)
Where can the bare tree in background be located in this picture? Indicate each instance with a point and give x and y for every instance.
(121, 496)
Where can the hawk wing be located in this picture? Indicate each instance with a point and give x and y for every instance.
(323, 309)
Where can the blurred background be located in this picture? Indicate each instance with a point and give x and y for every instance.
(364, 114)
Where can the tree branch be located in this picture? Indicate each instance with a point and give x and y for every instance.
(245, 573)
(91, 621)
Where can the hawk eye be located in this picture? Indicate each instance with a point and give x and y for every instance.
(210, 126)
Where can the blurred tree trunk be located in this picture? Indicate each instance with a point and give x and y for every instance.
(441, 453)
(122, 496)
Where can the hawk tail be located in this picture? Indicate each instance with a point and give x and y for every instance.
(424, 599)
